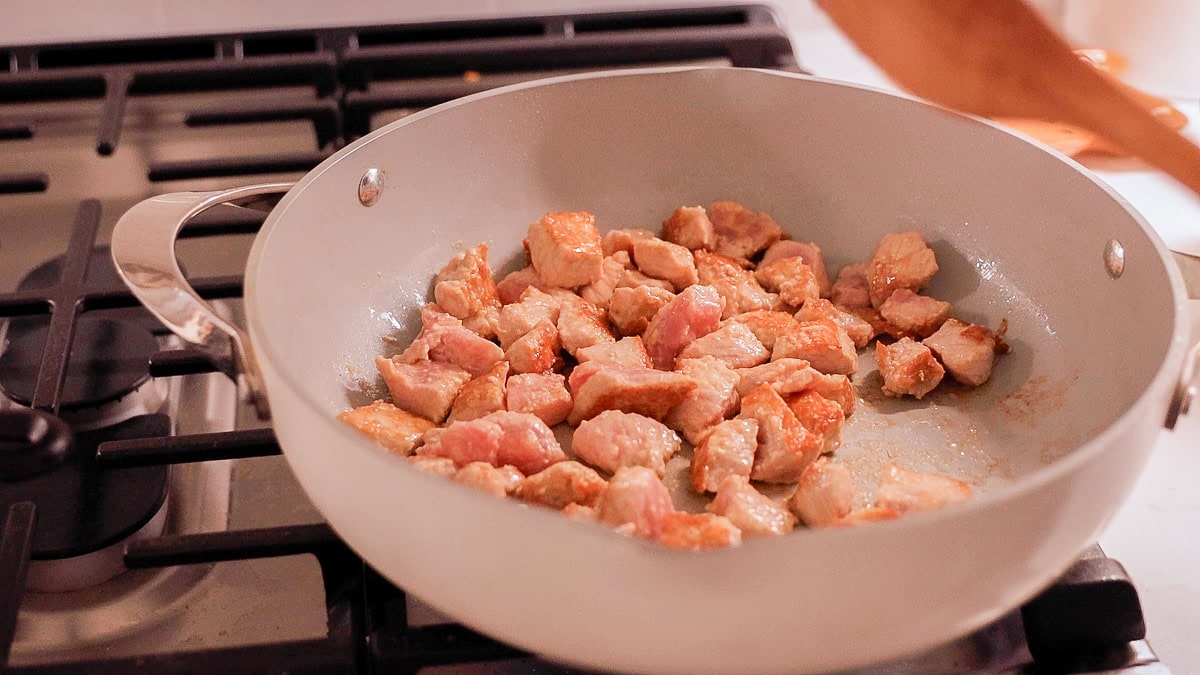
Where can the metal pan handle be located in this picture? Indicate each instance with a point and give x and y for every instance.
(143, 249)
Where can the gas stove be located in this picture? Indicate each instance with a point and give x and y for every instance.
(148, 519)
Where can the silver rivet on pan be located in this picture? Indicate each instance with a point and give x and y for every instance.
(370, 187)
(1114, 258)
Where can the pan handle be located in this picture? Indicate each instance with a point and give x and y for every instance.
(143, 249)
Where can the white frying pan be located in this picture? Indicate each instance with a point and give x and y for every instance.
(1053, 443)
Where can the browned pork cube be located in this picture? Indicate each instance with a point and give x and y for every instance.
(689, 226)
(820, 416)
(786, 376)
(851, 289)
(836, 388)
(465, 287)
(741, 232)
(811, 255)
(732, 344)
(909, 491)
(599, 386)
(565, 249)
(913, 315)
(631, 278)
(908, 368)
(629, 352)
(697, 531)
(901, 260)
(427, 388)
(396, 430)
(694, 313)
(767, 325)
(755, 514)
(967, 350)
(562, 484)
(866, 516)
(535, 351)
(663, 260)
(582, 324)
(791, 278)
(631, 309)
(736, 285)
(614, 439)
(482, 395)
(636, 501)
(542, 394)
(824, 495)
(599, 292)
(859, 330)
(622, 240)
(518, 439)
(514, 284)
(444, 339)
(728, 450)
(518, 318)
(822, 343)
(498, 481)
(714, 397)
(785, 447)
(438, 466)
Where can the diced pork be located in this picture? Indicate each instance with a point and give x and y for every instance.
(622, 240)
(637, 497)
(822, 343)
(786, 376)
(824, 495)
(694, 313)
(501, 438)
(518, 318)
(967, 350)
(565, 249)
(482, 395)
(689, 226)
(767, 325)
(811, 255)
(597, 387)
(912, 315)
(755, 514)
(582, 324)
(465, 287)
(438, 466)
(632, 278)
(542, 394)
(732, 344)
(820, 416)
(397, 430)
(791, 278)
(871, 316)
(614, 439)
(785, 447)
(536, 351)
(908, 368)
(664, 260)
(836, 388)
(901, 260)
(587, 514)
(714, 398)
(427, 388)
(443, 338)
(562, 484)
(871, 514)
(851, 288)
(498, 481)
(513, 285)
(629, 352)
(735, 284)
(908, 491)
(599, 292)
(728, 450)
(631, 309)
(697, 531)
(859, 330)
(741, 232)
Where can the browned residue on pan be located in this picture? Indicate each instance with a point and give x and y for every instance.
(1037, 397)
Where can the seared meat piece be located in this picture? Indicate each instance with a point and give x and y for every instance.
(741, 232)
(900, 261)
(836, 388)
(851, 289)
(905, 491)
(565, 249)
(664, 260)
(482, 395)
(728, 450)
(820, 416)
(732, 344)
(631, 278)
(518, 318)
(541, 394)
(714, 397)
(785, 447)
(614, 439)
(501, 438)
(767, 325)
(791, 278)
(498, 481)
(629, 352)
(631, 309)
(825, 494)
(599, 292)
(913, 315)
(598, 386)
(698, 531)
(858, 329)
(822, 343)
(636, 497)
(622, 240)
(755, 514)
(907, 367)
(811, 255)
(690, 227)
(872, 317)
(582, 324)
(786, 376)
(871, 514)
(588, 514)
(536, 351)
(438, 466)
(736, 285)
(562, 484)
(513, 285)
(967, 350)
(444, 339)
(427, 388)
(465, 288)
(396, 430)
(694, 313)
